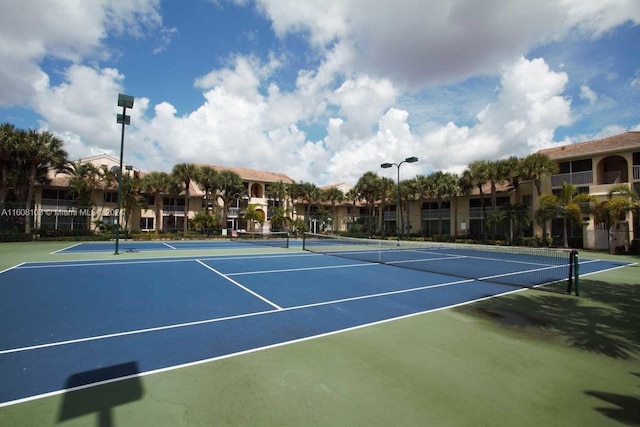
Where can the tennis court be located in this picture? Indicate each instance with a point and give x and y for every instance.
(70, 321)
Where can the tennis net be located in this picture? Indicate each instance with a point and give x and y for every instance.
(549, 268)
(278, 239)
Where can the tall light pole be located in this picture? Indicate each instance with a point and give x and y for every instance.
(388, 165)
(124, 101)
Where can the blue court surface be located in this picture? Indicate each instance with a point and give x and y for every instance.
(65, 323)
(161, 246)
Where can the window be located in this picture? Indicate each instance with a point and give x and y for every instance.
(146, 223)
(111, 197)
(581, 165)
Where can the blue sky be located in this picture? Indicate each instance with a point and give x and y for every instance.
(321, 90)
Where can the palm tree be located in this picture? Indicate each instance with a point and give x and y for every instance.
(83, 181)
(277, 195)
(8, 147)
(39, 149)
(566, 205)
(280, 218)
(253, 214)
(443, 188)
(208, 180)
(333, 195)
(185, 173)
(230, 187)
(109, 180)
(422, 188)
(132, 196)
(369, 189)
(407, 193)
(353, 195)
(310, 193)
(155, 184)
(497, 173)
(477, 174)
(535, 167)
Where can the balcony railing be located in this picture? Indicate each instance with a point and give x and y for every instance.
(612, 177)
(389, 216)
(576, 178)
(56, 204)
(170, 209)
(435, 213)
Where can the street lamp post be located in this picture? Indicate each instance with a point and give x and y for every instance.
(388, 165)
(124, 101)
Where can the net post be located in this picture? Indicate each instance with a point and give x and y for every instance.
(570, 278)
(304, 241)
(576, 273)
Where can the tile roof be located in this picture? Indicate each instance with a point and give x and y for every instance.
(255, 175)
(619, 142)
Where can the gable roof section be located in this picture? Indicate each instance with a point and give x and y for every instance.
(620, 142)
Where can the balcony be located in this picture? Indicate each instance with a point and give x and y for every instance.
(576, 178)
(612, 177)
(389, 216)
(435, 214)
(603, 189)
(56, 204)
(171, 209)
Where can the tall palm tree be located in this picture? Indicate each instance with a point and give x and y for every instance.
(423, 186)
(84, 179)
(407, 193)
(333, 195)
(477, 174)
(208, 180)
(566, 206)
(369, 189)
(535, 166)
(280, 218)
(132, 196)
(8, 147)
(230, 187)
(155, 184)
(39, 149)
(253, 214)
(311, 195)
(109, 180)
(387, 192)
(353, 195)
(185, 173)
(444, 190)
(277, 195)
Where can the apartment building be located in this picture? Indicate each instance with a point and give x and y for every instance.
(594, 167)
(55, 201)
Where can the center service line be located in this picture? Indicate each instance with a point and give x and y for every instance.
(239, 285)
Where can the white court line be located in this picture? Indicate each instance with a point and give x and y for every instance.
(169, 246)
(287, 270)
(239, 316)
(273, 304)
(64, 249)
(11, 268)
(253, 350)
(153, 260)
